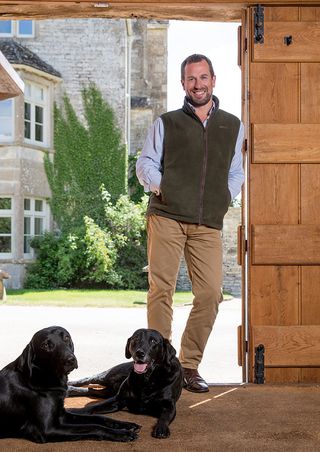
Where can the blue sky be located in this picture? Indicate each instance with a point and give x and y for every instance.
(218, 41)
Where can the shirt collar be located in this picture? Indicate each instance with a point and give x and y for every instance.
(209, 111)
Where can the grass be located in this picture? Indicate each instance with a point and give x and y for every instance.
(87, 298)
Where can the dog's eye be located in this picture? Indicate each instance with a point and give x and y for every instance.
(47, 346)
(153, 342)
(66, 339)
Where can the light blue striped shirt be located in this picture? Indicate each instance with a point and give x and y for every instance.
(149, 163)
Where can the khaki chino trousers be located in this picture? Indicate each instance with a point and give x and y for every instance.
(202, 247)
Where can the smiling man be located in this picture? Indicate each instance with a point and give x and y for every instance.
(191, 163)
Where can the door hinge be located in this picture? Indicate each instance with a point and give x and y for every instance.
(259, 364)
(246, 346)
(258, 24)
(245, 145)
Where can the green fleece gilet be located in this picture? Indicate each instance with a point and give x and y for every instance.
(196, 163)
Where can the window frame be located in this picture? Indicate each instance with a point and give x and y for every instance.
(33, 215)
(7, 213)
(34, 103)
(13, 108)
(21, 35)
(15, 29)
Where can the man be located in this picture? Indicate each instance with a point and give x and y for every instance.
(192, 164)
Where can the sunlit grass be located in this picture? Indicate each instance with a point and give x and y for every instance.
(88, 298)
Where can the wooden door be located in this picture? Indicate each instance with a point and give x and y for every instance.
(283, 198)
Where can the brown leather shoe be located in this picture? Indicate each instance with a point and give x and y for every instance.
(193, 382)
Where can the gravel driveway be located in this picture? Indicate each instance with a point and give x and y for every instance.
(100, 336)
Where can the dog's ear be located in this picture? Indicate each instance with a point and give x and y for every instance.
(128, 353)
(24, 362)
(169, 352)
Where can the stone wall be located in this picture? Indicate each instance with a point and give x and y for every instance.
(95, 51)
(231, 270)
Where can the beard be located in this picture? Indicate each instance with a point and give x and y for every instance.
(199, 102)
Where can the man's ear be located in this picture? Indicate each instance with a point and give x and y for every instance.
(128, 353)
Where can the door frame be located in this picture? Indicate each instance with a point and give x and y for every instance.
(209, 11)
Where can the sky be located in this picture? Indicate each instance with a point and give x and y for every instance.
(216, 40)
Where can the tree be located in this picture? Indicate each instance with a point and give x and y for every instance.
(86, 157)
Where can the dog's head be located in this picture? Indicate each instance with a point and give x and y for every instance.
(51, 351)
(148, 348)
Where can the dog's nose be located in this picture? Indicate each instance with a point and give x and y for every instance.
(140, 354)
(72, 361)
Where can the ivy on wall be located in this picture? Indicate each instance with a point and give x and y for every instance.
(86, 157)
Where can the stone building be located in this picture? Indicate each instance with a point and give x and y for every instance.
(126, 59)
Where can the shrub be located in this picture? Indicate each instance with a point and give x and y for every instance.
(109, 256)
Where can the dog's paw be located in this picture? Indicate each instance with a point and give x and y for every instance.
(161, 431)
(126, 436)
(132, 427)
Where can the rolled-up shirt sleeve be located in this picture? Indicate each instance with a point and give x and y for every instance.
(236, 173)
(149, 163)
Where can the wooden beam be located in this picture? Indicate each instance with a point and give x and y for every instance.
(207, 10)
(219, 12)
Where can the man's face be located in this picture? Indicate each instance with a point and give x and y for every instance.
(198, 83)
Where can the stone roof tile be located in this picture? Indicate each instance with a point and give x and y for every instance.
(18, 54)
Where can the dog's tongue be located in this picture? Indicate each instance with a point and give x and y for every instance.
(140, 368)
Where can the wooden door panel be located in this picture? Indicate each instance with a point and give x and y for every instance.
(284, 194)
(310, 14)
(274, 93)
(285, 143)
(310, 193)
(310, 92)
(310, 287)
(280, 14)
(305, 44)
(282, 374)
(275, 295)
(274, 194)
(289, 346)
(286, 244)
(310, 375)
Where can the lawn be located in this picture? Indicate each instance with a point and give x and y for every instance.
(86, 298)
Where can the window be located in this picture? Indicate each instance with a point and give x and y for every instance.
(35, 221)
(5, 227)
(6, 27)
(25, 28)
(20, 28)
(34, 113)
(6, 120)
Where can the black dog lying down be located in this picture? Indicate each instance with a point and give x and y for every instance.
(32, 393)
(151, 384)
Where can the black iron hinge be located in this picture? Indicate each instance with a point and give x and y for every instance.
(258, 24)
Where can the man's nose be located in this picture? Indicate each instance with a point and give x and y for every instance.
(197, 83)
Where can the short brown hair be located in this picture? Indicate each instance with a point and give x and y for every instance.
(196, 58)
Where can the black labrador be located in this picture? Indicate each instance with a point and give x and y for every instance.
(151, 384)
(32, 393)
